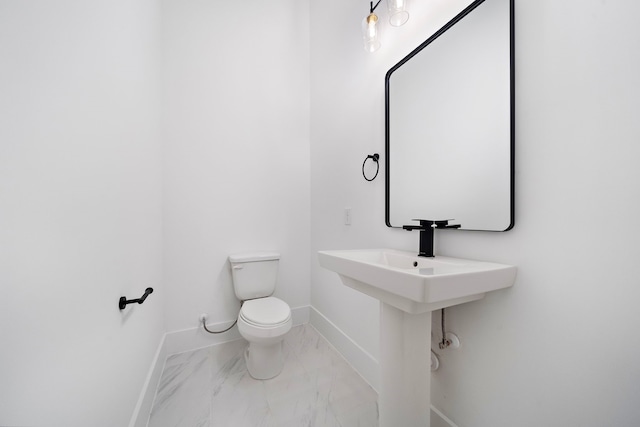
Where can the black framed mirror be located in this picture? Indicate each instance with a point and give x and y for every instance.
(450, 124)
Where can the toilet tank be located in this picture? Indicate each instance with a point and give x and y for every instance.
(254, 274)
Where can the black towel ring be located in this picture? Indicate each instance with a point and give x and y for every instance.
(375, 158)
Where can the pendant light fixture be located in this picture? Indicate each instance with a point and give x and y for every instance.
(397, 12)
(398, 16)
(370, 29)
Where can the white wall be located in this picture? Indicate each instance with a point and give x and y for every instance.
(561, 347)
(236, 129)
(80, 225)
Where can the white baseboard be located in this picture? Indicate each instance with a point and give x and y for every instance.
(363, 362)
(188, 340)
(195, 338)
(140, 417)
(438, 419)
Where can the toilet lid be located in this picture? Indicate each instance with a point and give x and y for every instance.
(266, 311)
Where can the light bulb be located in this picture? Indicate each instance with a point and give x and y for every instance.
(370, 33)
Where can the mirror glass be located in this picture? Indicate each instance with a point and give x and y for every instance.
(449, 124)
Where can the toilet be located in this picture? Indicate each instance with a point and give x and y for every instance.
(263, 320)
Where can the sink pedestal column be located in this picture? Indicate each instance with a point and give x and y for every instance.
(405, 368)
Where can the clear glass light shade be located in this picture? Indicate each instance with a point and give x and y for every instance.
(398, 14)
(370, 33)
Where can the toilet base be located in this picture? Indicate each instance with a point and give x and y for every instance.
(264, 361)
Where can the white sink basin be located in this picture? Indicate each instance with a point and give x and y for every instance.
(416, 284)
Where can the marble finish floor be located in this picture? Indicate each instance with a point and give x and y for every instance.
(211, 387)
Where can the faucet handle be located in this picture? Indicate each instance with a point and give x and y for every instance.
(412, 227)
(425, 224)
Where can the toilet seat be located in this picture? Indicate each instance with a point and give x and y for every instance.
(264, 320)
(265, 312)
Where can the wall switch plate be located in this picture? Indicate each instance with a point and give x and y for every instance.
(347, 216)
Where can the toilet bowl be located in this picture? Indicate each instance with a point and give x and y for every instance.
(264, 322)
(263, 319)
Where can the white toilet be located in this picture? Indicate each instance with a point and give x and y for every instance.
(263, 320)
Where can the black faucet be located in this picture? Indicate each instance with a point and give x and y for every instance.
(426, 228)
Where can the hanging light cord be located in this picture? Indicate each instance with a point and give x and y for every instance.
(204, 324)
(372, 7)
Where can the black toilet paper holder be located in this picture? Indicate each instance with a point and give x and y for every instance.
(123, 301)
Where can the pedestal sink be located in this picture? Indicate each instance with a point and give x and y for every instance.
(409, 288)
